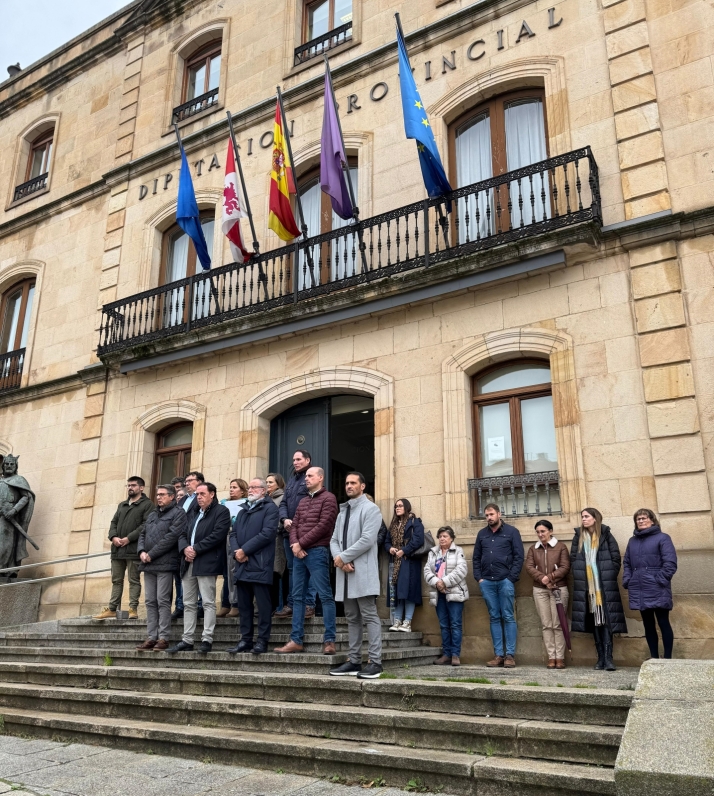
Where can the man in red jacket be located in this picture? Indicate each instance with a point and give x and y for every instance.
(310, 535)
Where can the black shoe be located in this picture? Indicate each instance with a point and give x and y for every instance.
(370, 672)
(241, 646)
(609, 664)
(206, 646)
(259, 648)
(182, 646)
(177, 614)
(348, 668)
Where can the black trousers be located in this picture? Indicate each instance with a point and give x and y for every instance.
(648, 620)
(247, 592)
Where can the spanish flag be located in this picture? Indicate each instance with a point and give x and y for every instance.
(282, 184)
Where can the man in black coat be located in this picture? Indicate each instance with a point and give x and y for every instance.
(253, 547)
(203, 548)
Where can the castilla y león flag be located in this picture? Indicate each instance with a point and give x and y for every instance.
(282, 184)
(233, 210)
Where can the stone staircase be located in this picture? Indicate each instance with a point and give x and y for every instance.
(467, 738)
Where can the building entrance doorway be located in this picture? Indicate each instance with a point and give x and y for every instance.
(337, 430)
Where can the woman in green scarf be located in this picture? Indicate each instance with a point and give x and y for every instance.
(597, 605)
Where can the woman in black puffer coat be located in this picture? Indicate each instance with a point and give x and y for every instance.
(597, 605)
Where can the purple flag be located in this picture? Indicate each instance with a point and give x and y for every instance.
(332, 175)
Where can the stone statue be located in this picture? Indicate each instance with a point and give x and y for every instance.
(17, 502)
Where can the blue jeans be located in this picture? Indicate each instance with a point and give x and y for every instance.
(316, 567)
(309, 597)
(500, 597)
(450, 615)
(404, 609)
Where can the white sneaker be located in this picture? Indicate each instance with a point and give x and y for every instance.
(406, 626)
(397, 625)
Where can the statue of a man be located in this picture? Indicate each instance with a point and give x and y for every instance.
(17, 502)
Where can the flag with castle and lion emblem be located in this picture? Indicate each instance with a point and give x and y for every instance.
(233, 210)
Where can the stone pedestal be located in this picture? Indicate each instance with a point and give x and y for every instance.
(667, 748)
(19, 603)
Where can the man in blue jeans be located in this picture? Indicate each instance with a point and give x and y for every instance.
(498, 559)
(310, 534)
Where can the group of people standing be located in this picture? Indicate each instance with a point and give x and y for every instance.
(275, 544)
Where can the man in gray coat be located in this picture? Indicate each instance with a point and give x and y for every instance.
(354, 550)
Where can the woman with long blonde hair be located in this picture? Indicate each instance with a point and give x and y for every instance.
(597, 606)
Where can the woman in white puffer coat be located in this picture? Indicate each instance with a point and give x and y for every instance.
(445, 572)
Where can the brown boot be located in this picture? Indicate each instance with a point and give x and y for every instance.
(161, 645)
(559, 663)
(286, 612)
(107, 613)
(551, 664)
(310, 612)
(497, 661)
(149, 644)
(442, 660)
(328, 648)
(455, 660)
(221, 612)
(291, 646)
(510, 662)
(232, 613)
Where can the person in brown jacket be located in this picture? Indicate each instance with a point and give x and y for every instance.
(548, 563)
(310, 535)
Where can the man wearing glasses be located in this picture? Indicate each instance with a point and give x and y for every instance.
(189, 505)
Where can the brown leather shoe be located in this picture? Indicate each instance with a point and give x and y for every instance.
(222, 612)
(442, 660)
(161, 645)
(559, 663)
(510, 662)
(149, 644)
(286, 611)
(497, 661)
(551, 664)
(328, 648)
(232, 613)
(310, 612)
(455, 660)
(291, 646)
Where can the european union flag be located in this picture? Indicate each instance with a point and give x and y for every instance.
(187, 215)
(416, 125)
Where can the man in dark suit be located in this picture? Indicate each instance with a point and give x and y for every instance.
(203, 547)
(189, 505)
(253, 547)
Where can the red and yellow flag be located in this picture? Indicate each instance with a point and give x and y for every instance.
(281, 219)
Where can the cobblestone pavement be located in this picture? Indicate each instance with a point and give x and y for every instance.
(49, 768)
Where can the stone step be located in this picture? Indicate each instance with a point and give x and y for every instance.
(299, 663)
(452, 772)
(86, 623)
(426, 731)
(576, 705)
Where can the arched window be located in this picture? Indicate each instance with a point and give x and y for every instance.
(173, 453)
(35, 170)
(15, 314)
(513, 420)
(502, 135)
(202, 72)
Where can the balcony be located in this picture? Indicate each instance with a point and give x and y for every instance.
(540, 204)
(31, 186)
(11, 369)
(531, 495)
(322, 44)
(196, 105)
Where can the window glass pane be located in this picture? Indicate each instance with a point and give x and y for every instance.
(38, 159)
(514, 376)
(496, 453)
(26, 321)
(318, 21)
(46, 159)
(525, 144)
(215, 72)
(344, 254)
(311, 197)
(539, 434)
(343, 12)
(474, 162)
(196, 81)
(202, 294)
(178, 257)
(168, 465)
(178, 436)
(9, 328)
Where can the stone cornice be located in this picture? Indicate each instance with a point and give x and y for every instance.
(88, 375)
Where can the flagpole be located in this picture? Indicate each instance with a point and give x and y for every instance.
(236, 155)
(298, 202)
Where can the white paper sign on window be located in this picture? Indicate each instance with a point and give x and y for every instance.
(496, 449)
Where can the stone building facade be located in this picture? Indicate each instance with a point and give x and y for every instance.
(612, 289)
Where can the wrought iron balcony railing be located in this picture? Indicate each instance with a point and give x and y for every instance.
(321, 44)
(542, 198)
(531, 495)
(31, 186)
(11, 369)
(196, 105)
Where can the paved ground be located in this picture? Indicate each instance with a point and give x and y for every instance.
(48, 768)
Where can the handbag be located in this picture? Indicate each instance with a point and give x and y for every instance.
(426, 547)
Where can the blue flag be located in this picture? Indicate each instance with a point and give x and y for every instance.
(187, 215)
(416, 125)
